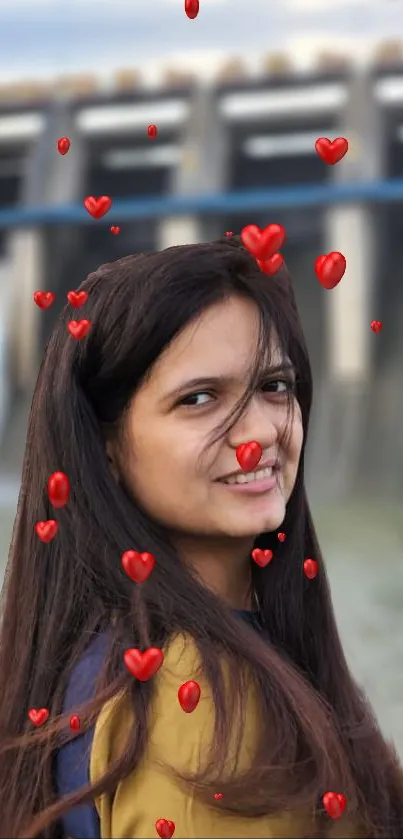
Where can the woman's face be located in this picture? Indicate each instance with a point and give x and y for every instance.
(190, 391)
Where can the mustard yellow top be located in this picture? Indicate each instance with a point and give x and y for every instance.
(178, 739)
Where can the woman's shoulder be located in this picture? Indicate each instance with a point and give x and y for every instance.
(72, 761)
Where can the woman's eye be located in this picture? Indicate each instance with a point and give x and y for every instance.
(196, 399)
(278, 385)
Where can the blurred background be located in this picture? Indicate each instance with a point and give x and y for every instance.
(239, 97)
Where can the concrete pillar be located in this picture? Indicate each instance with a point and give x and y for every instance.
(341, 409)
(203, 169)
(49, 178)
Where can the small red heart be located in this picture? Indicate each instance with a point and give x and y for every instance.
(79, 328)
(44, 299)
(75, 723)
(152, 131)
(63, 145)
(77, 298)
(376, 325)
(262, 558)
(311, 568)
(46, 530)
(334, 804)
(58, 489)
(281, 537)
(138, 566)
(272, 265)
(38, 717)
(165, 828)
(330, 269)
(229, 233)
(218, 796)
(97, 207)
(189, 695)
(263, 243)
(331, 151)
(248, 455)
(115, 229)
(192, 8)
(143, 665)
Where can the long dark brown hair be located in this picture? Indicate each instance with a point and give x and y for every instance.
(317, 731)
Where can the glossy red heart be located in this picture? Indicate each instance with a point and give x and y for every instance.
(75, 722)
(97, 207)
(248, 455)
(38, 717)
(79, 328)
(192, 8)
(262, 558)
(58, 489)
(165, 828)
(311, 568)
(189, 695)
(143, 665)
(272, 265)
(263, 244)
(152, 131)
(46, 530)
(331, 151)
(115, 229)
(77, 298)
(218, 796)
(376, 325)
(334, 804)
(281, 537)
(44, 299)
(63, 145)
(330, 269)
(138, 566)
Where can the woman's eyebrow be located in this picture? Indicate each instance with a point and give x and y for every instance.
(188, 384)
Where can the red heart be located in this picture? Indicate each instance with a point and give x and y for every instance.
(272, 265)
(330, 269)
(152, 131)
(376, 325)
(189, 695)
(229, 233)
(138, 566)
(331, 151)
(192, 8)
(79, 328)
(311, 568)
(218, 796)
(46, 530)
(63, 145)
(38, 717)
(281, 537)
(262, 558)
(248, 455)
(263, 243)
(143, 665)
(165, 828)
(75, 723)
(77, 298)
(44, 299)
(97, 207)
(334, 804)
(115, 230)
(58, 489)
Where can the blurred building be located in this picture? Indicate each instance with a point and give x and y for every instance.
(227, 154)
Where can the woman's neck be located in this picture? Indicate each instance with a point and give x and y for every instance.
(223, 567)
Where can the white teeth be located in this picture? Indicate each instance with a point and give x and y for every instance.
(250, 476)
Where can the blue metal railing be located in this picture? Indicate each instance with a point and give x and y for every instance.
(382, 191)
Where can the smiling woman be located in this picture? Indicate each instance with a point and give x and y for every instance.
(192, 352)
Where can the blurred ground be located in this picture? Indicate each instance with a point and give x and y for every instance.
(363, 550)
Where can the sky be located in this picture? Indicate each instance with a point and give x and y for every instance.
(42, 38)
